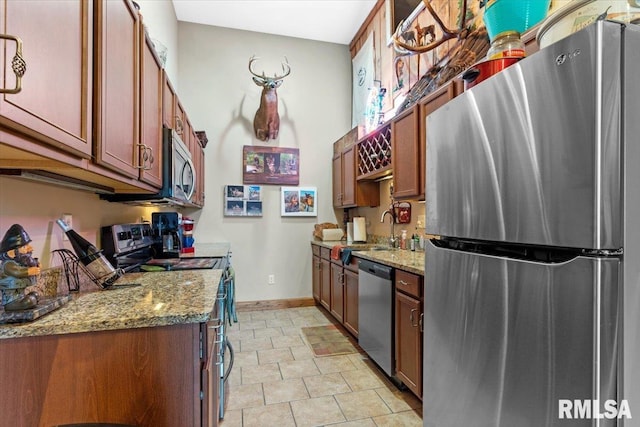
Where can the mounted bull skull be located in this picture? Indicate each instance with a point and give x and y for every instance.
(266, 122)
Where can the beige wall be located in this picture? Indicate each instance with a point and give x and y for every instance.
(220, 97)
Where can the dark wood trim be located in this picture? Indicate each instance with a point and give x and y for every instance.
(365, 25)
(274, 304)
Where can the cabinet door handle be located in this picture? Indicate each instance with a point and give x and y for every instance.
(402, 282)
(146, 157)
(421, 322)
(18, 64)
(413, 310)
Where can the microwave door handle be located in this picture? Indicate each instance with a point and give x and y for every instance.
(188, 164)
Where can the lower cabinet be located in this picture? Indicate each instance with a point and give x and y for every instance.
(148, 377)
(325, 278)
(335, 287)
(409, 330)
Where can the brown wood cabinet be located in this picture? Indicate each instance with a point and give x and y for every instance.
(337, 290)
(405, 153)
(117, 86)
(325, 278)
(316, 272)
(350, 318)
(149, 377)
(198, 160)
(347, 191)
(55, 103)
(151, 86)
(408, 330)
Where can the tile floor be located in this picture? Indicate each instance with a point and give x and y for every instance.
(277, 381)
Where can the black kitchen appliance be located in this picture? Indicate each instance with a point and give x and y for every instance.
(133, 247)
(167, 234)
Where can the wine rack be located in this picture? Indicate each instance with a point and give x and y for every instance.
(374, 153)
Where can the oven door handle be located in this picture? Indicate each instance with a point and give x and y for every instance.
(231, 357)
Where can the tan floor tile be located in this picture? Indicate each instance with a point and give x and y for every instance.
(263, 343)
(316, 411)
(283, 314)
(245, 396)
(272, 415)
(361, 379)
(298, 369)
(367, 422)
(286, 341)
(244, 334)
(284, 391)
(244, 316)
(274, 355)
(291, 331)
(262, 315)
(402, 419)
(302, 321)
(278, 323)
(268, 332)
(302, 352)
(253, 325)
(235, 378)
(326, 385)
(362, 404)
(261, 374)
(358, 359)
(232, 418)
(331, 364)
(245, 358)
(399, 401)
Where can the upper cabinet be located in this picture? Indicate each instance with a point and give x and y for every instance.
(151, 87)
(408, 137)
(347, 191)
(55, 102)
(117, 86)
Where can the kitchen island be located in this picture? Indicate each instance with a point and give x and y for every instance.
(133, 355)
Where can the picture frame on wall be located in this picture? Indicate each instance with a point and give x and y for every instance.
(400, 10)
(270, 165)
(298, 201)
(243, 200)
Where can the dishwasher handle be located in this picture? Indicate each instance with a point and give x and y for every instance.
(378, 270)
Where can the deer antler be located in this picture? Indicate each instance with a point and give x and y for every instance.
(447, 34)
(262, 76)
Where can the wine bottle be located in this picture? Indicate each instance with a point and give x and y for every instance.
(90, 257)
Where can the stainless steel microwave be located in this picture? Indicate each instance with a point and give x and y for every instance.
(178, 176)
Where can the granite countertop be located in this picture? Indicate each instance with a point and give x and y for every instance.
(412, 261)
(163, 298)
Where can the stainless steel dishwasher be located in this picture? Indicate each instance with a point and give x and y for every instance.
(375, 314)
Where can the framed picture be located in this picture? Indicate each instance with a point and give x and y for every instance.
(242, 200)
(270, 165)
(298, 201)
(400, 10)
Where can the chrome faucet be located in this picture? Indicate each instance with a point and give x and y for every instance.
(393, 240)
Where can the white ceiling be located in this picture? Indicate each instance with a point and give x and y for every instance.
(335, 21)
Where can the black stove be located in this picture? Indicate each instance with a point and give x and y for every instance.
(133, 247)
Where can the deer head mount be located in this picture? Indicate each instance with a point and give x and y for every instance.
(266, 122)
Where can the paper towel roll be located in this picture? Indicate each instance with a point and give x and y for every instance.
(349, 233)
(359, 229)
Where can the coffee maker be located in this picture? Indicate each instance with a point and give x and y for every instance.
(167, 234)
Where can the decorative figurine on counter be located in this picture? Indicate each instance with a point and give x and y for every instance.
(17, 266)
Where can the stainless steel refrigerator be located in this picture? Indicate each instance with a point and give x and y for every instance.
(532, 290)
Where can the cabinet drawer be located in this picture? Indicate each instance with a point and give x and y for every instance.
(353, 264)
(409, 283)
(325, 253)
(315, 249)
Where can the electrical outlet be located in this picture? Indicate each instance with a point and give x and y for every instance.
(421, 220)
(68, 219)
(272, 279)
